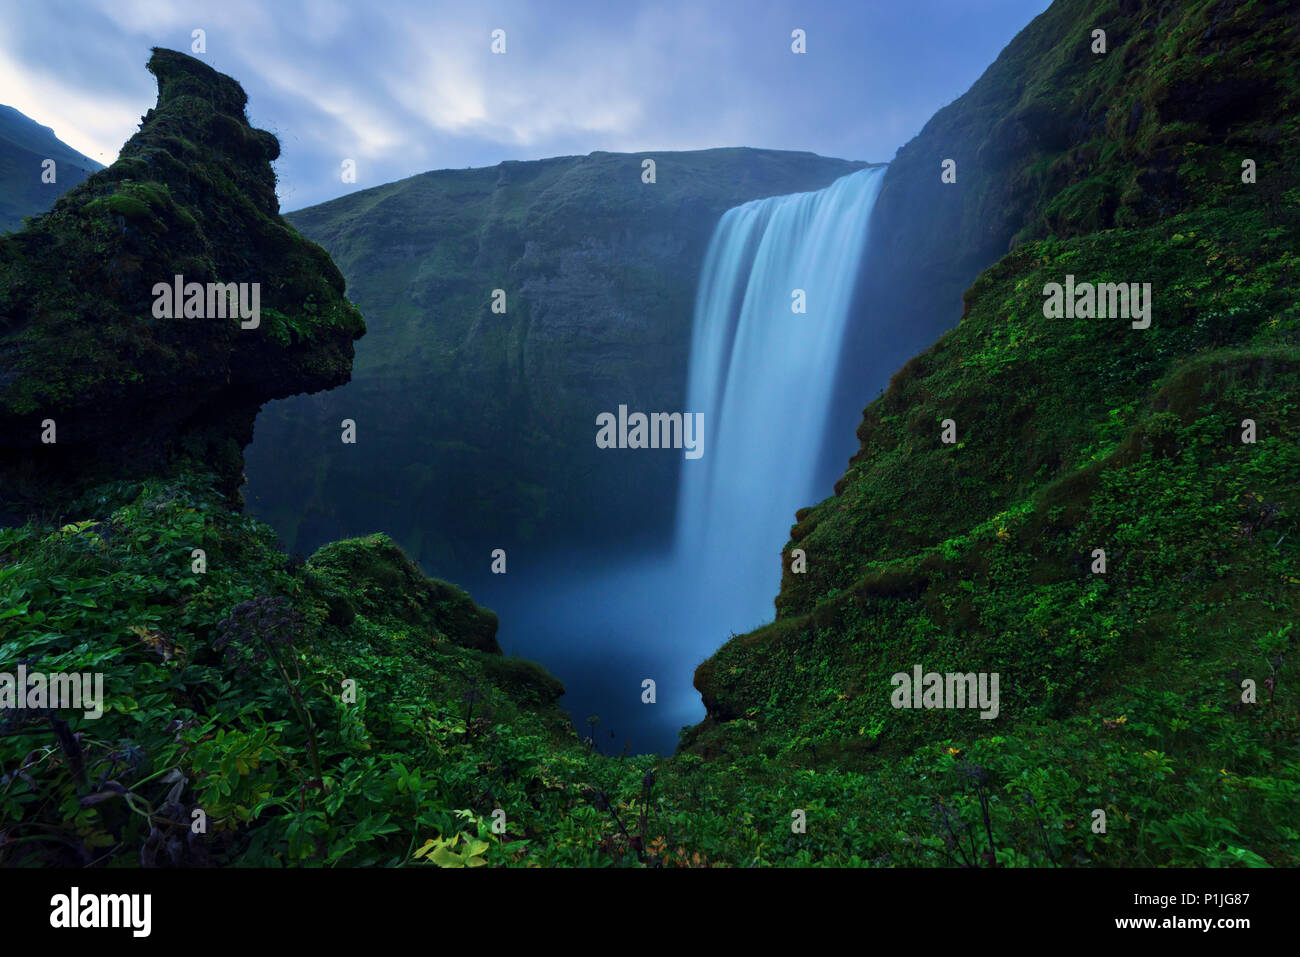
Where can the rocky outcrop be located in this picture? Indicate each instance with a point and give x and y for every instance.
(372, 577)
(94, 383)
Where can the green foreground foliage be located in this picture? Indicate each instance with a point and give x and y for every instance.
(440, 735)
(347, 711)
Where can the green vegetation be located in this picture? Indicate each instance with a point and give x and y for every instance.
(1123, 693)
(439, 735)
(198, 715)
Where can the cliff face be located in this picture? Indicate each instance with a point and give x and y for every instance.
(127, 393)
(1109, 528)
(481, 424)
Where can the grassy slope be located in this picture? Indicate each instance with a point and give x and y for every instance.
(119, 594)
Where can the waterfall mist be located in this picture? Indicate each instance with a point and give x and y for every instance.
(763, 375)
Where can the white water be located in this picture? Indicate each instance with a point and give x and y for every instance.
(762, 376)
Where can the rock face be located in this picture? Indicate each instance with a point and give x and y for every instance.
(128, 394)
(477, 427)
(25, 146)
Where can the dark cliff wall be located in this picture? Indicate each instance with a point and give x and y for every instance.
(477, 428)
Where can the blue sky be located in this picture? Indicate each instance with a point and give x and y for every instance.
(403, 87)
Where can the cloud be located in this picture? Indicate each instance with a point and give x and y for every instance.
(413, 83)
(93, 122)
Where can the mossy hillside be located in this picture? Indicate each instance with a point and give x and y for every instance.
(192, 193)
(1036, 399)
(438, 736)
(1055, 140)
(117, 593)
(1074, 435)
(480, 425)
(25, 145)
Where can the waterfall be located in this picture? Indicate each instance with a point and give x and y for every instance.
(763, 376)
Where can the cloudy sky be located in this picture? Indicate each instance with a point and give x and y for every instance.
(403, 87)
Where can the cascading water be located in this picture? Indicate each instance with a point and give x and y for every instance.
(761, 374)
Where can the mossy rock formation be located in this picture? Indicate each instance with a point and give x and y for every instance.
(192, 193)
(389, 587)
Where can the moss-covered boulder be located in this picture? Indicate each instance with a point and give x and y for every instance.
(85, 359)
(372, 576)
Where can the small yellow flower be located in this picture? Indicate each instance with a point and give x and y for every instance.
(840, 697)
(954, 750)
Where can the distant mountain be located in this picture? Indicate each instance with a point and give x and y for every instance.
(480, 426)
(24, 147)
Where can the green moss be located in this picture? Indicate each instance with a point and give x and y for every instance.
(126, 205)
(373, 577)
(192, 194)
